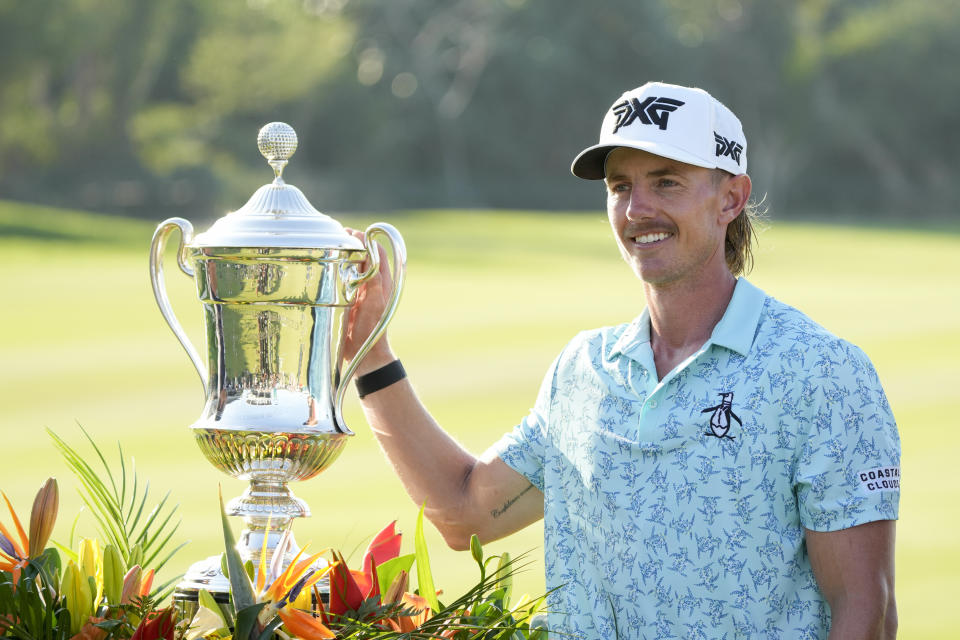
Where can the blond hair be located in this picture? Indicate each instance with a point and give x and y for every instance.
(741, 233)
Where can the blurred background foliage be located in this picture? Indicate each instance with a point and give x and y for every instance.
(146, 108)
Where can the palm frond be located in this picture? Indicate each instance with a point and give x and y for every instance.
(117, 503)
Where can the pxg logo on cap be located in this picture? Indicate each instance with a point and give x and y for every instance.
(726, 147)
(681, 123)
(653, 110)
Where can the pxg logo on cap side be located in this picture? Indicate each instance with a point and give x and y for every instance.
(653, 110)
(726, 147)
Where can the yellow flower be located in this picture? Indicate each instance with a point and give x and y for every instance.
(91, 564)
(75, 588)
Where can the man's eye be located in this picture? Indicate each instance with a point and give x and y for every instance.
(667, 182)
(620, 188)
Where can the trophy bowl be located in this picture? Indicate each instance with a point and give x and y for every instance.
(268, 461)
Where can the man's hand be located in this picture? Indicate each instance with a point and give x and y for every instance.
(854, 568)
(366, 311)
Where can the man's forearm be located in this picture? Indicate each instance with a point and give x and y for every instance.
(464, 494)
(431, 465)
(864, 620)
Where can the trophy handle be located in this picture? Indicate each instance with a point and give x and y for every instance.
(160, 288)
(399, 251)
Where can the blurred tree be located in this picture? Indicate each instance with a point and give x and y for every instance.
(263, 57)
(140, 103)
(882, 101)
(74, 73)
(847, 104)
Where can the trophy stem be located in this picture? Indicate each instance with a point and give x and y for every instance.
(268, 508)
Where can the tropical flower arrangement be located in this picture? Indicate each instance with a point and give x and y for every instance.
(103, 588)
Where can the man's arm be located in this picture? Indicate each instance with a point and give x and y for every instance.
(855, 571)
(464, 494)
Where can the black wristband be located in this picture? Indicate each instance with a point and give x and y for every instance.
(380, 378)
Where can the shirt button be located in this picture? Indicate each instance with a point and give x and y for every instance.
(653, 404)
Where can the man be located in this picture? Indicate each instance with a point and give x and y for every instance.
(721, 467)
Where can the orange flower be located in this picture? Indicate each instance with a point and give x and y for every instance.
(405, 624)
(297, 579)
(13, 556)
(303, 625)
(91, 632)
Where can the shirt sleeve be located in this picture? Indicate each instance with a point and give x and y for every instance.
(848, 467)
(524, 448)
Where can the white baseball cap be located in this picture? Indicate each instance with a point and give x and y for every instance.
(680, 123)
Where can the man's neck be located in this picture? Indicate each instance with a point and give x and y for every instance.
(682, 317)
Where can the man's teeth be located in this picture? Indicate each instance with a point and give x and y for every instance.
(651, 237)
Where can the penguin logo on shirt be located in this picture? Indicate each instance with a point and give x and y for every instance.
(720, 417)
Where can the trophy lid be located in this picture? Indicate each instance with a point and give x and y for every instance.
(278, 215)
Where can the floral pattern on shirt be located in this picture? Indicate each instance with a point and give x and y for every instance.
(655, 526)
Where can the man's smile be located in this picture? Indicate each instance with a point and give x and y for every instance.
(649, 239)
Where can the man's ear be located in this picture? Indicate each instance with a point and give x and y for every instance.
(735, 192)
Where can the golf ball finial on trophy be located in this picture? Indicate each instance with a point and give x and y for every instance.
(276, 280)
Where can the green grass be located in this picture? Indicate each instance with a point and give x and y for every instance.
(491, 298)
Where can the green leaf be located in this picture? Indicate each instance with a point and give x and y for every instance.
(120, 512)
(51, 563)
(273, 625)
(424, 575)
(136, 555)
(240, 587)
(389, 570)
(208, 601)
(247, 621)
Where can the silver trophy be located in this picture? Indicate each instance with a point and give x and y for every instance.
(276, 280)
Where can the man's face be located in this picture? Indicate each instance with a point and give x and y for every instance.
(669, 218)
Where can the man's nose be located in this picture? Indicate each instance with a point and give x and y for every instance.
(640, 205)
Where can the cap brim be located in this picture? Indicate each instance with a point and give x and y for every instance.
(590, 163)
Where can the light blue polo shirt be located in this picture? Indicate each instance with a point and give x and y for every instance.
(675, 508)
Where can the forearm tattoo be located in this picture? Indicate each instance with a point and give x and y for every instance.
(496, 513)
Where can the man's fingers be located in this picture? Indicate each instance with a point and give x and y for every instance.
(380, 285)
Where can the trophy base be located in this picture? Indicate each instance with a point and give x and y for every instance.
(207, 574)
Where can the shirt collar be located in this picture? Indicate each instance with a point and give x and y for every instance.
(735, 331)
(738, 326)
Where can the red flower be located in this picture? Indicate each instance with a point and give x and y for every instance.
(384, 546)
(158, 625)
(348, 589)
